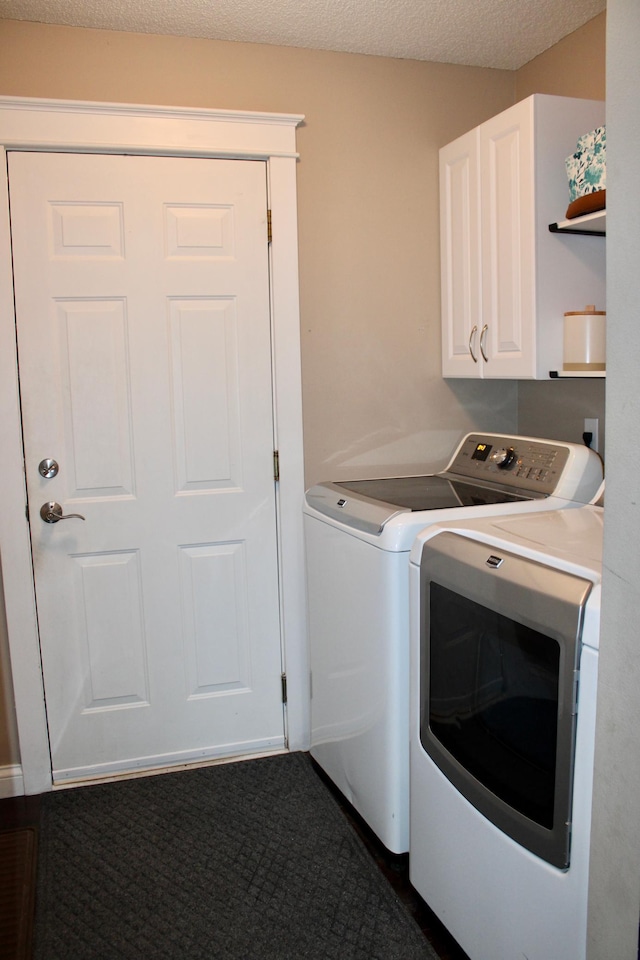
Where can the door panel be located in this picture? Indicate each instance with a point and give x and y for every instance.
(508, 241)
(142, 298)
(460, 257)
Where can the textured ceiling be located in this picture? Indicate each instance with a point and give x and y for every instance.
(486, 33)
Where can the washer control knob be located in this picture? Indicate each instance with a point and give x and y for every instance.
(504, 457)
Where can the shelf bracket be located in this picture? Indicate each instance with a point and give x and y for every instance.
(554, 228)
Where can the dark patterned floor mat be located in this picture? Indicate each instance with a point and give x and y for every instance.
(246, 861)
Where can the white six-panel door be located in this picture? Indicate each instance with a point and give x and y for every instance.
(142, 302)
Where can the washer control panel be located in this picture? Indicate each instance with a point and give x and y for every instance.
(520, 462)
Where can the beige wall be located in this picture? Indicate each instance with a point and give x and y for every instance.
(373, 396)
(574, 67)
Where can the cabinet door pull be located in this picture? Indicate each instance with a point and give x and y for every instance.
(471, 336)
(483, 335)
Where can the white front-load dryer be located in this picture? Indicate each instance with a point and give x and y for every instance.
(505, 616)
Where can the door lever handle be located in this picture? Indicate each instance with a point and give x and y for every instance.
(51, 512)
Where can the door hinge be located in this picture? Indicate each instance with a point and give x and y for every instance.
(283, 680)
(276, 465)
(269, 227)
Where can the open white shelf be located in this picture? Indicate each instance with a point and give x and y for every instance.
(577, 374)
(590, 223)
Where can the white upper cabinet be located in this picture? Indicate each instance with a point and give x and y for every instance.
(507, 281)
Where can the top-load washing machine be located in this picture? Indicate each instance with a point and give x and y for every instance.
(358, 536)
(505, 617)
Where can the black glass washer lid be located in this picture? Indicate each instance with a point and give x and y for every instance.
(427, 493)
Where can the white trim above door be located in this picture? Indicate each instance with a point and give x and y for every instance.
(69, 126)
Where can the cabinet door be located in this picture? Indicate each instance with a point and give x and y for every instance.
(460, 257)
(508, 242)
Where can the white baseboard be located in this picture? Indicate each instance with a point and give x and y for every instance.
(11, 781)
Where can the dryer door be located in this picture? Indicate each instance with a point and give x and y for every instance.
(500, 644)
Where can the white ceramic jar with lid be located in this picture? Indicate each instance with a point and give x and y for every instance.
(585, 340)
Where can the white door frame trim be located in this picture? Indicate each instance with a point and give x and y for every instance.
(76, 126)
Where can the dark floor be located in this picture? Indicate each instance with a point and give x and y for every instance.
(396, 869)
(19, 819)
(21, 812)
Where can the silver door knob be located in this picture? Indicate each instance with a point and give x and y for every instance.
(51, 512)
(48, 468)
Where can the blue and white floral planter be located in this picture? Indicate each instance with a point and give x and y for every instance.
(587, 166)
